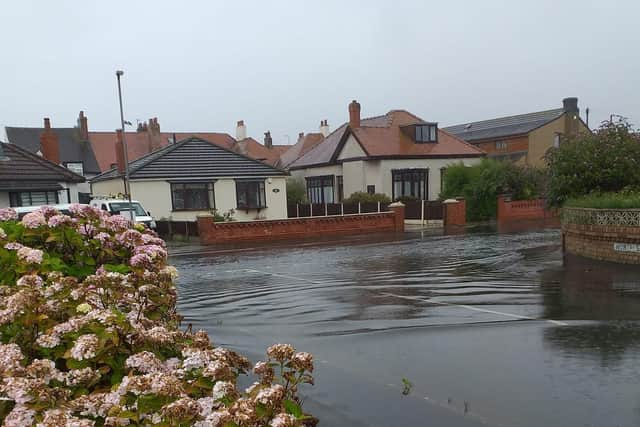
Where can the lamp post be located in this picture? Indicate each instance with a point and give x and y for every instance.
(127, 188)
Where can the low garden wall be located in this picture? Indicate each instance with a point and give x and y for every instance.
(602, 234)
(226, 232)
(525, 210)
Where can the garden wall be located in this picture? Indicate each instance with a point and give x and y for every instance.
(227, 232)
(525, 210)
(602, 234)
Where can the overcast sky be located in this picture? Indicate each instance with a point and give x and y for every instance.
(285, 65)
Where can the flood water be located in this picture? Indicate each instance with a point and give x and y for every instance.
(490, 329)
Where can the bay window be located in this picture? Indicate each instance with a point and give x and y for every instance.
(250, 194)
(410, 183)
(320, 189)
(192, 196)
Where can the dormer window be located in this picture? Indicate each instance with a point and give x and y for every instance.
(427, 133)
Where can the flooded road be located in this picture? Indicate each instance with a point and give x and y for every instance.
(490, 329)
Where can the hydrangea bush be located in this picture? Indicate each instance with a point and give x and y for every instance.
(90, 336)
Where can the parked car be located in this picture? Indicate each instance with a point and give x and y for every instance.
(122, 207)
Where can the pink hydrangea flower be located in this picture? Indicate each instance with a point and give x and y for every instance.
(13, 246)
(29, 255)
(8, 214)
(141, 260)
(34, 220)
(58, 220)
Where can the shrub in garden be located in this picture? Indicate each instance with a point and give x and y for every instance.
(89, 335)
(606, 161)
(296, 191)
(364, 197)
(481, 184)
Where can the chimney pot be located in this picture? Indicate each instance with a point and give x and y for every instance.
(83, 126)
(324, 127)
(268, 141)
(241, 131)
(354, 114)
(47, 123)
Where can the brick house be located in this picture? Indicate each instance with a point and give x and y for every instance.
(524, 138)
(398, 154)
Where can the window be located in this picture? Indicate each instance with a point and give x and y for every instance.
(250, 194)
(427, 133)
(371, 189)
(76, 167)
(443, 172)
(33, 198)
(117, 208)
(320, 189)
(340, 185)
(410, 183)
(192, 196)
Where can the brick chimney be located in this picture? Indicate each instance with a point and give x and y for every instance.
(119, 151)
(354, 114)
(268, 141)
(153, 134)
(324, 128)
(49, 144)
(241, 131)
(83, 126)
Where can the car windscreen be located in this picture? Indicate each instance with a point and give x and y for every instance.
(125, 206)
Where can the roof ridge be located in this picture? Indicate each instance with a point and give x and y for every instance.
(507, 117)
(462, 140)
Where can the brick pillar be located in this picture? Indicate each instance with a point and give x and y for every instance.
(455, 212)
(205, 229)
(398, 212)
(503, 208)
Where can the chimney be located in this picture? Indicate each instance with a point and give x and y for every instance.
(570, 105)
(324, 128)
(572, 116)
(49, 145)
(268, 141)
(354, 114)
(119, 151)
(300, 136)
(83, 126)
(241, 131)
(153, 134)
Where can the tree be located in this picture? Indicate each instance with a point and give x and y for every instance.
(296, 191)
(606, 161)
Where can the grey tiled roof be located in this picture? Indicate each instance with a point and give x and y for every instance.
(191, 158)
(22, 170)
(72, 147)
(504, 126)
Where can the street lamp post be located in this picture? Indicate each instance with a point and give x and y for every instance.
(127, 188)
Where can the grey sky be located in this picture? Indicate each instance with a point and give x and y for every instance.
(283, 66)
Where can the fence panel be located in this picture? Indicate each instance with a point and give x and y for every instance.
(433, 210)
(292, 210)
(413, 209)
(333, 209)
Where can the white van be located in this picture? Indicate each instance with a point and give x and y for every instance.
(122, 207)
(23, 210)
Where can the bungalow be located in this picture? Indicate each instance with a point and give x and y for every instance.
(397, 154)
(524, 138)
(27, 179)
(195, 176)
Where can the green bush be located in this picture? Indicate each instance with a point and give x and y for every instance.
(364, 197)
(621, 200)
(481, 184)
(603, 162)
(296, 191)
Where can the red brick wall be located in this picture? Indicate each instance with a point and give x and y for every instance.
(597, 241)
(523, 210)
(455, 213)
(227, 232)
(516, 144)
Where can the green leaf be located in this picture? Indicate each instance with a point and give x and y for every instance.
(117, 268)
(292, 408)
(150, 403)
